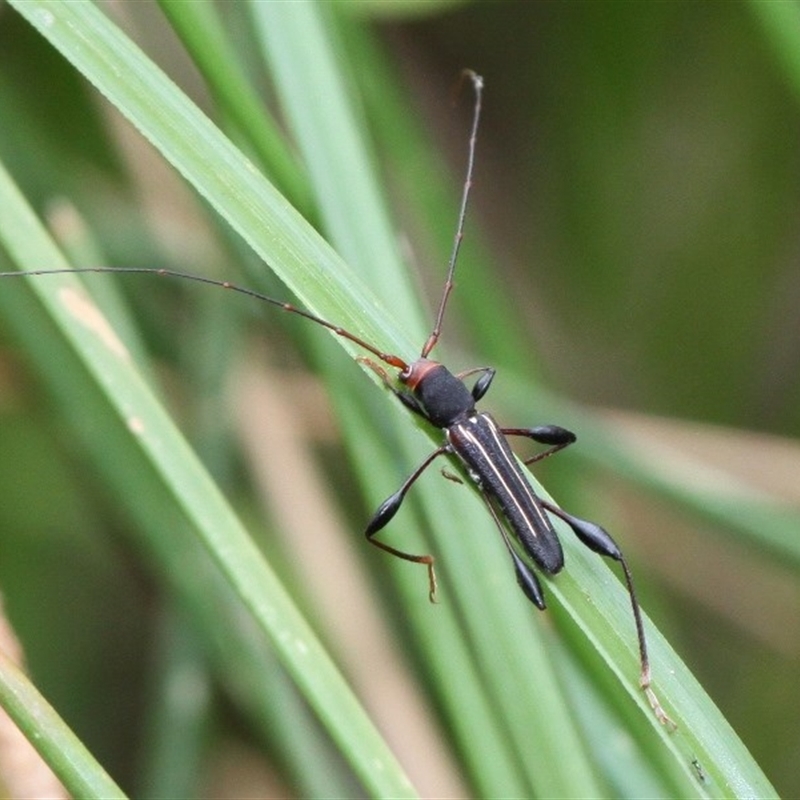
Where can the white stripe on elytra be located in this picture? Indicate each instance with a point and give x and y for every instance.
(467, 433)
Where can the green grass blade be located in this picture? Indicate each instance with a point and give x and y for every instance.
(125, 405)
(333, 140)
(703, 735)
(68, 758)
(487, 605)
(201, 31)
(781, 26)
(504, 659)
(301, 48)
(211, 163)
(332, 136)
(122, 416)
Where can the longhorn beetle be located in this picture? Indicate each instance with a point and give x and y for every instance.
(431, 391)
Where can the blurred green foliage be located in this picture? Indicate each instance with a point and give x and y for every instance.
(637, 190)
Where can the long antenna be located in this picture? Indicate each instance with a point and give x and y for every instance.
(477, 85)
(387, 358)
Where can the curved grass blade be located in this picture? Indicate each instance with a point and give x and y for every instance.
(138, 447)
(594, 585)
(595, 602)
(67, 757)
(549, 760)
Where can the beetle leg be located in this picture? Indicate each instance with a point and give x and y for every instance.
(554, 435)
(526, 578)
(389, 507)
(404, 396)
(599, 539)
(482, 384)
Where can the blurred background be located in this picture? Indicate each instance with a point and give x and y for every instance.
(637, 196)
